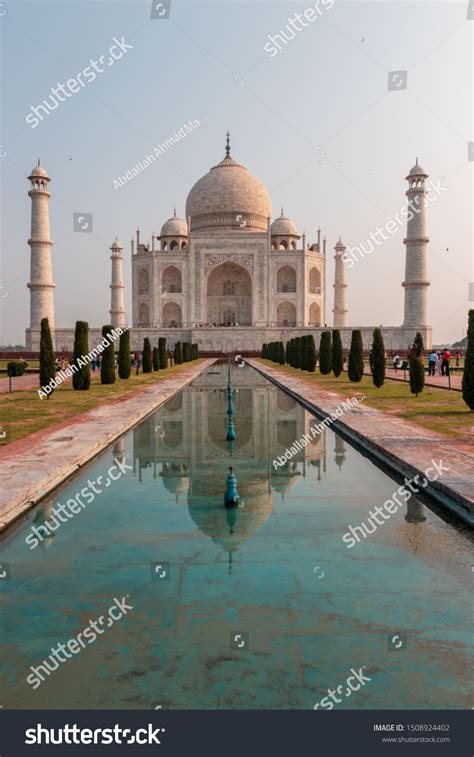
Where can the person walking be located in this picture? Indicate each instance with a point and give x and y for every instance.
(432, 360)
(395, 361)
(445, 362)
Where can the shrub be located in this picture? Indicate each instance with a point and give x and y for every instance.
(81, 379)
(16, 368)
(417, 374)
(378, 358)
(311, 354)
(107, 364)
(146, 356)
(418, 347)
(178, 354)
(468, 375)
(325, 353)
(186, 352)
(281, 353)
(264, 350)
(47, 372)
(337, 353)
(124, 359)
(356, 357)
(156, 359)
(162, 351)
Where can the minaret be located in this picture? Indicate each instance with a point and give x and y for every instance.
(340, 287)
(416, 278)
(117, 309)
(41, 284)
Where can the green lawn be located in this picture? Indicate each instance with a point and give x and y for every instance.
(435, 409)
(23, 412)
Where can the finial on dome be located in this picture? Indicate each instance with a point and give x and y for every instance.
(39, 162)
(174, 212)
(281, 214)
(227, 146)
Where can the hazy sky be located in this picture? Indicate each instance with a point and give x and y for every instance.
(326, 89)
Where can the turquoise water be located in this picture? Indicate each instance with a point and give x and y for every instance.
(273, 572)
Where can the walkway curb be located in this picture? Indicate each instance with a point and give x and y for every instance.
(447, 496)
(53, 461)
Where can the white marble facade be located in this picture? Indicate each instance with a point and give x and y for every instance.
(227, 277)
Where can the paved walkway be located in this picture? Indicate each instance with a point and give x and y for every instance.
(439, 381)
(32, 467)
(406, 448)
(28, 381)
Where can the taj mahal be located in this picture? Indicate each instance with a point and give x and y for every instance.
(228, 277)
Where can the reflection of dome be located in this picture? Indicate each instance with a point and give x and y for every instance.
(229, 197)
(229, 527)
(175, 479)
(174, 227)
(284, 479)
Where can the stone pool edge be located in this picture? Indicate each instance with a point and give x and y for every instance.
(130, 412)
(447, 496)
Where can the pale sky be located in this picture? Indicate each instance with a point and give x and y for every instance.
(315, 124)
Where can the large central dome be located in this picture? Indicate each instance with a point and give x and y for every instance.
(228, 197)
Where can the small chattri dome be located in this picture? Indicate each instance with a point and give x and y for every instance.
(283, 227)
(340, 244)
(417, 170)
(174, 227)
(39, 171)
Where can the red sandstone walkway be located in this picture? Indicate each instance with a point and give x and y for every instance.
(439, 381)
(32, 467)
(405, 447)
(28, 381)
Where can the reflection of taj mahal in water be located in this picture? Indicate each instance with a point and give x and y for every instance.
(193, 466)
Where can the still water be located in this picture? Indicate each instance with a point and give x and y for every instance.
(258, 606)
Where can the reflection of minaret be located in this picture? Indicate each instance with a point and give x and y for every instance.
(415, 512)
(119, 449)
(340, 451)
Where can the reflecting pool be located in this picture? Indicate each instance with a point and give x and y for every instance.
(256, 606)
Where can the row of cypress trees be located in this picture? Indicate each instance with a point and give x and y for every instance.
(300, 353)
(184, 352)
(152, 360)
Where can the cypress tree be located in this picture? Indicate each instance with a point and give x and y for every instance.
(356, 357)
(468, 375)
(107, 364)
(186, 352)
(196, 351)
(124, 359)
(146, 356)
(287, 352)
(178, 354)
(378, 358)
(281, 353)
(47, 360)
(262, 354)
(417, 372)
(297, 357)
(82, 378)
(303, 353)
(162, 351)
(418, 347)
(156, 359)
(325, 353)
(337, 353)
(311, 354)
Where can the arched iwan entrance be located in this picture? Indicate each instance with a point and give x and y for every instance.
(286, 314)
(229, 295)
